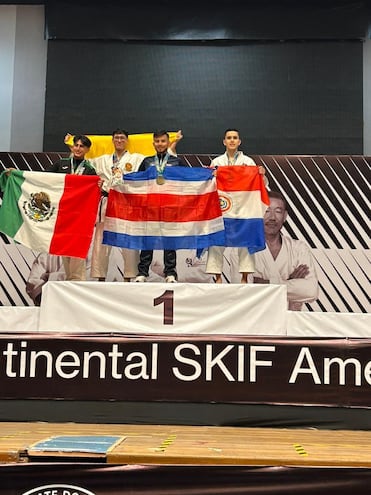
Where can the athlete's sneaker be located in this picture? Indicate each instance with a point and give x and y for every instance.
(170, 279)
(140, 278)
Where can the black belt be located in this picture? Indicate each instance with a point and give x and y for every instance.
(104, 194)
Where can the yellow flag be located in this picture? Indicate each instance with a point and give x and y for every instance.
(137, 143)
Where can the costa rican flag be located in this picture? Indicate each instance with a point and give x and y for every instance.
(243, 200)
(182, 213)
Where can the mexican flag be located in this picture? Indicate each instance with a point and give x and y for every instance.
(50, 212)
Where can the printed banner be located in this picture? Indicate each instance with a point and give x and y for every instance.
(333, 372)
(334, 227)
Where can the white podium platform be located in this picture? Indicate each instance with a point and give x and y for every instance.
(338, 325)
(227, 309)
(19, 319)
(160, 308)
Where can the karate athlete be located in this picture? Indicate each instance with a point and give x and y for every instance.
(76, 164)
(161, 160)
(111, 168)
(232, 156)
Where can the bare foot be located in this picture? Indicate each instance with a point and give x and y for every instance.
(245, 278)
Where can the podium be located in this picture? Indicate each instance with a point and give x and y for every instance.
(158, 308)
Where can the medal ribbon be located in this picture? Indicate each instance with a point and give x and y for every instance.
(160, 165)
(232, 161)
(79, 169)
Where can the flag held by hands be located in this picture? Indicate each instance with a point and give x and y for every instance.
(243, 200)
(50, 212)
(103, 144)
(182, 213)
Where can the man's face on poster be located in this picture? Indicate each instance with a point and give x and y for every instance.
(274, 217)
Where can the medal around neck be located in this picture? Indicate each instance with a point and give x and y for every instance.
(160, 167)
(160, 180)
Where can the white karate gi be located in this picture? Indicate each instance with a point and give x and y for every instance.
(215, 253)
(129, 162)
(292, 254)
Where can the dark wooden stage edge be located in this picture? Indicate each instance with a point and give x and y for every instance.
(186, 413)
(70, 459)
(170, 445)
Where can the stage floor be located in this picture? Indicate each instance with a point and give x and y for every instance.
(183, 445)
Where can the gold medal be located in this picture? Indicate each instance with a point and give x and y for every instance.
(128, 167)
(160, 179)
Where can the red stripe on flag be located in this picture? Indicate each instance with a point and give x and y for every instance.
(238, 178)
(241, 178)
(163, 207)
(77, 213)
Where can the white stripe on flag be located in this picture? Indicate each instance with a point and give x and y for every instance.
(188, 188)
(243, 204)
(39, 234)
(175, 229)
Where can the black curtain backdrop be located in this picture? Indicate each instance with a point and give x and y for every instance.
(297, 97)
(202, 20)
(287, 74)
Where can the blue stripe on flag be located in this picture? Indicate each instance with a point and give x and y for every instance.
(173, 173)
(247, 233)
(153, 242)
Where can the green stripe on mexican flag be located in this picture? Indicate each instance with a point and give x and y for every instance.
(50, 212)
